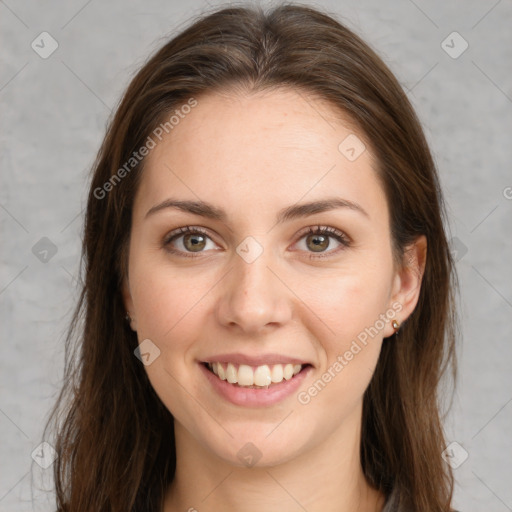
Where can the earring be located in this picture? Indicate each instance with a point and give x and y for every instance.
(127, 317)
(395, 325)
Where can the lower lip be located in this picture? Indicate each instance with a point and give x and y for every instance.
(252, 397)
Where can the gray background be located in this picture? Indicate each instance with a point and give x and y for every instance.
(54, 112)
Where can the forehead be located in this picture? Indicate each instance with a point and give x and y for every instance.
(261, 150)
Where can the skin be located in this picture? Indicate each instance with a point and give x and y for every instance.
(252, 155)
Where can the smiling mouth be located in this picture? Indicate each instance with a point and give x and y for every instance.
(255, 377)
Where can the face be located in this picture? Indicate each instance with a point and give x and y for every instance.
(242, 272)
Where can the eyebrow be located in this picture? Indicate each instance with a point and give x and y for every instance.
(205, 209)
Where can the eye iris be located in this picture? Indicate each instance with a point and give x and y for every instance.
(320, 242)
(195, 245)
(196, 241)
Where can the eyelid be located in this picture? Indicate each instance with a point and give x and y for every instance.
(324, 229)
(328, 231)
(183, 230)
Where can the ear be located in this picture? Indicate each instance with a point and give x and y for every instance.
(407, 282)
(128, 303)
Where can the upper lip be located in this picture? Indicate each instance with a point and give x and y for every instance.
(256, 360)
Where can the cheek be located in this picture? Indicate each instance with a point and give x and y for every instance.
(350, 348)
(168, 302)
(160, 301)
(170, 312)
(349, 303)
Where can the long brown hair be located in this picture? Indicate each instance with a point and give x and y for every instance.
(113, 435)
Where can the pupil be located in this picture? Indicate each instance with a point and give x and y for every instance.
(320, 242)
(195, 244)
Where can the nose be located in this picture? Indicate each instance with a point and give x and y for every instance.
(253, 297)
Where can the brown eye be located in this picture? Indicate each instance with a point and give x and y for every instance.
(194, 242)
(318, 243)
(316, 240)
(187, 241)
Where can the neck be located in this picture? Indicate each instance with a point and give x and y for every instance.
(328, 478)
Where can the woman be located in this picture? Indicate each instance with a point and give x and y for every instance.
(267, 307)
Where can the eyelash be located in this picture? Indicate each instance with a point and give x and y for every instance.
(312, 230)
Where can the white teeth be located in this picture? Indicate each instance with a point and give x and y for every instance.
(277, 373)
(262, 376)
(245, 375)
(221, 372)
(288, 371)
(231, 373)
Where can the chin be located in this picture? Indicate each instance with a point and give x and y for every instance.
(261, 447)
